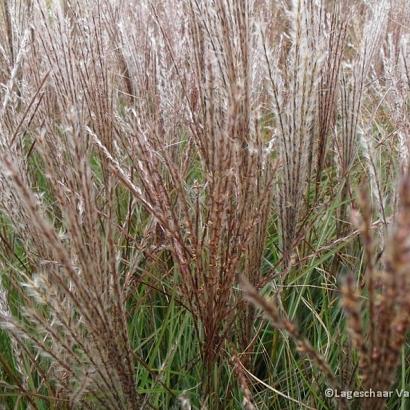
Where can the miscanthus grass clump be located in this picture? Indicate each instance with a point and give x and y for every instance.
(174, 173)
